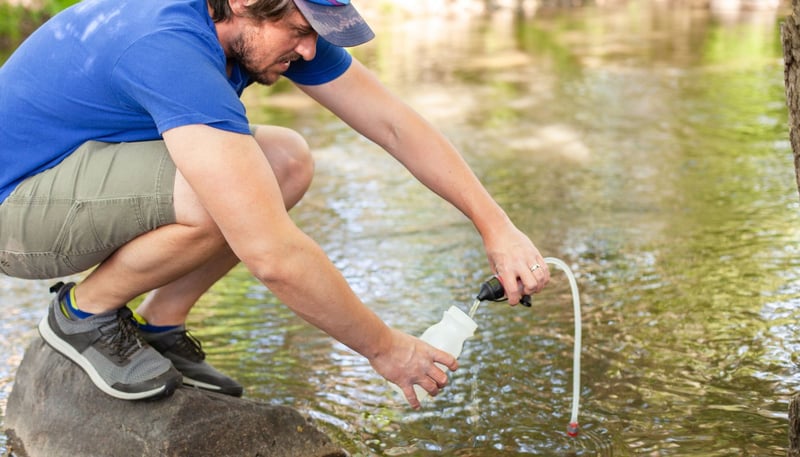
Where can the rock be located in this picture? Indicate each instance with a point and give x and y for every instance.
(54, 410)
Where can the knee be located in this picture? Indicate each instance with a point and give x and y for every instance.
(298, 166)
(290, 157)
(199, 228)
(204, 234)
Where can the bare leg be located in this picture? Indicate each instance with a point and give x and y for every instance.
(179, 262)
(170, 304)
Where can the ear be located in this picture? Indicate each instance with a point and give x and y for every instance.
(238, 7)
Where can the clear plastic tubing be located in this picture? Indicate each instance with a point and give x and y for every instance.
(455, 327)
(572, 428)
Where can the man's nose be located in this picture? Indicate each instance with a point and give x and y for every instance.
(307, 47)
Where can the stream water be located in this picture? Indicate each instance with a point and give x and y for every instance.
(644, 143)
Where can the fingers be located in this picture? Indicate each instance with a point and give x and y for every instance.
(413, 362)
(446, 360)
(538, 275)
(528, 278)
(438, 376)
(411, 397)
(433, 378)
(432, 385)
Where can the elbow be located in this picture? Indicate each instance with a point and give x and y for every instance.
(387, 136)
(280, 264)
(271, 269)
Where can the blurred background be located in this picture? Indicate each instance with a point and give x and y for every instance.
(644, 142)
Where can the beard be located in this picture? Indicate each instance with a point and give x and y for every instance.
(242, 51)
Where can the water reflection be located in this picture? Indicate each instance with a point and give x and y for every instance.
(644, 143)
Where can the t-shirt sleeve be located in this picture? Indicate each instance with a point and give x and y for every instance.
(179, 78)
(328, 64)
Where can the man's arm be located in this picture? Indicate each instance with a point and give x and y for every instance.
(235, 184)
(360, 100)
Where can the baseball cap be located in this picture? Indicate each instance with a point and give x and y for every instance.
(337, 21)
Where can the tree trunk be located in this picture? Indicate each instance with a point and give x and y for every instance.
(794, 427)
(790, 34)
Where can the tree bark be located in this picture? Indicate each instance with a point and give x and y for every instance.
(794, 427)
(790, 36)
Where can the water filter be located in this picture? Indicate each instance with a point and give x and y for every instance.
(456, 326)
(448, 335)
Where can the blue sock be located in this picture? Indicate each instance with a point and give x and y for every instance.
(150, 328)
(70, 308)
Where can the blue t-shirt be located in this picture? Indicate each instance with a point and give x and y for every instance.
(123, 71)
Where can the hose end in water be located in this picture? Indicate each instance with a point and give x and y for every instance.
(572, 429)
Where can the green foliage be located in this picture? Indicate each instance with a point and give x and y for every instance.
(17, 22)
(54, 6)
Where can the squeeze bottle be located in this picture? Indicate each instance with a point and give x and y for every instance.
(448, 335)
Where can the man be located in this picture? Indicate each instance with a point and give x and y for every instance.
(124, 146)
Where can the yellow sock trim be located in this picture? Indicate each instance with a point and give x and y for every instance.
(73, 302)
(139, 319)
(71, 310)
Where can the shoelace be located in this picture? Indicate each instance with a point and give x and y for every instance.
(121, 337)
(188, 346)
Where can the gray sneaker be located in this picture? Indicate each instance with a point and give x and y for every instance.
(108, 348)
(186, 354)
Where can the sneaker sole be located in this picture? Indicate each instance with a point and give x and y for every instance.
(70, 353)
(200, 384)
(187, 381)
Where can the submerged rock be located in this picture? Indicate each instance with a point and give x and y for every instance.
(54, 410)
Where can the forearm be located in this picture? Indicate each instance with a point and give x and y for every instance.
(302, 277)
(435, 162)
(430, 157)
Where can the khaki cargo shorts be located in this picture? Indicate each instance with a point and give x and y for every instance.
(70, 218)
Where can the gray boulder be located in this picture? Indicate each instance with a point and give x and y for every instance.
(54, 410)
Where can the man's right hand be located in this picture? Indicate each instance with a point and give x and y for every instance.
(409, 361)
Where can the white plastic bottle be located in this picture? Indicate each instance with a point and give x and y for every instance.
(448, 335)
